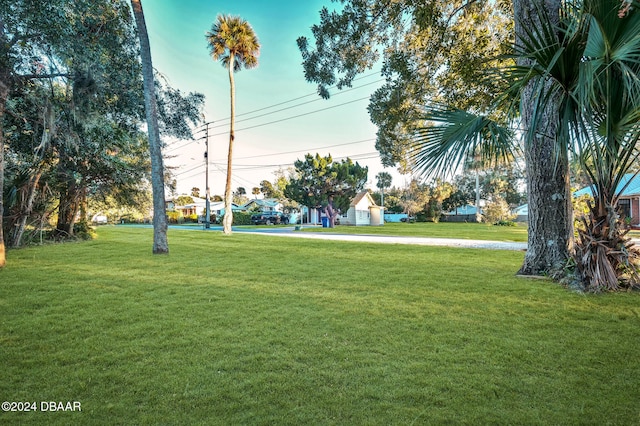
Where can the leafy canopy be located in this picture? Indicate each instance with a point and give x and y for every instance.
(317, 178)
(428, 51)
(232, 40)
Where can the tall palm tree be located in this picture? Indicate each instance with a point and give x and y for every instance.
(384, 180)
(586, 64)
(233, 42)
(255, 191)
(160, 243)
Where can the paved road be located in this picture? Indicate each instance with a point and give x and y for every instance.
(289, 232)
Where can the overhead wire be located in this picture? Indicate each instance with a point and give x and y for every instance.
(293, 106)
(285, 153)
(306, 96)
(271, 122)
(254, 167)
(283, 109)
(295, 116)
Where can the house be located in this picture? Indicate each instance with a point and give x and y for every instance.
(263, 205)
(395, 217)
(196, 207)
(199, 206)
(466, 213)
(521, 212)
(629, 201)
(217, 208)
(363, 211)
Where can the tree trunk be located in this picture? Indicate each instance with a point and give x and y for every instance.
(67, 210)
(4, 94)
(160, 244)
(227, 221)
(29, 192)
(551, 239)
(26, 209)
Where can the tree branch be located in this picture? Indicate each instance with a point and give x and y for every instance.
(43, 76)
(455, 12)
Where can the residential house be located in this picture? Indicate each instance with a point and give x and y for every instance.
(629, 201)
(217, 208)
(522, 213)
(197, 207)
(263, 205)
(465, 213)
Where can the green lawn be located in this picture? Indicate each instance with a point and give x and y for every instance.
(471, 231)
(252, 329)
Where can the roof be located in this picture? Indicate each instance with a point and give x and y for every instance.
(266, 202)
(196, 200)
(359, 198)
(463, 210)
(631, 190)
(522, 210)
(629, 186)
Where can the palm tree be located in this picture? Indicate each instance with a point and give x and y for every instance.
(160, 244)
(233, 42)
(587, 65)
(255, 191)
(606, 134)
(384, 180)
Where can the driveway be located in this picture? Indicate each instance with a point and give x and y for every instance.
(387, 239)
(290, 232)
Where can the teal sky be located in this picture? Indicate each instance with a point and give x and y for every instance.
(179, 51)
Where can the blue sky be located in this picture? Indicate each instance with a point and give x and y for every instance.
(179, 51)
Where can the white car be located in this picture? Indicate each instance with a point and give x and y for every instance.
(99, 219)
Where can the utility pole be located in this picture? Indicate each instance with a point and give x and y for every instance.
(207, 211)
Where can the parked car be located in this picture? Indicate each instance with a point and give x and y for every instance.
(269, 218)
(100, 219)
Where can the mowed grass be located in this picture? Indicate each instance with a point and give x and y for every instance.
(252, 329)
(470, 231)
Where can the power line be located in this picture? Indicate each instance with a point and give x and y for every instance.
(307, 150)
(273, 122)
(256, 166)
(306, 96)
(292, 106)
(245, 167)
(283, 109)
(248, 167)
(294, 116)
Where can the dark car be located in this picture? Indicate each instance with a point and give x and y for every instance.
(269, 218)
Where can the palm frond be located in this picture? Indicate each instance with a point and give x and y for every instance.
(442, 147)
(233, 36)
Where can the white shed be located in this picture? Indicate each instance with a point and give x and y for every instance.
(363, 211)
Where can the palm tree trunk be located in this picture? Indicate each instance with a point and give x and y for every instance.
(160, 244)
(4, 94)
(228, 194)
(550, 238)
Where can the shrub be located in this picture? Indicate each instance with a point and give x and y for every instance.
(241, 218)
(497, 211)
(83, 231)
(174, 217)
(505, 223)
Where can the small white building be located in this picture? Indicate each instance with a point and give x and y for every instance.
(363, 211)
